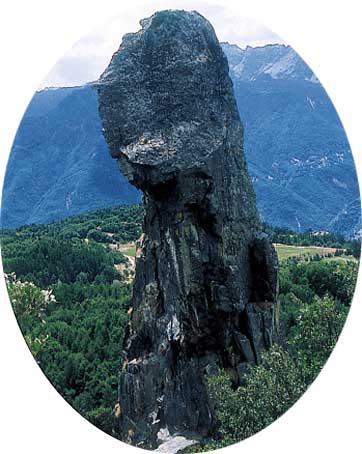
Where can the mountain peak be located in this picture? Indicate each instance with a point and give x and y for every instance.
(275, 61)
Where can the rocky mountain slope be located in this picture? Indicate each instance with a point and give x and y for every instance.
(295, 145)
(273, 61)
(296, 149)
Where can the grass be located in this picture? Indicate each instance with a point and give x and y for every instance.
(341, 258)
(285, 251)
(128, 249)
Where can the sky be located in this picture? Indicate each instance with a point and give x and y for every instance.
(88, 58)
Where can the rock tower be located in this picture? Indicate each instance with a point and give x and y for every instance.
(206, 274)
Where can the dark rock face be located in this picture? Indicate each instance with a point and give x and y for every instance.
(206, 278)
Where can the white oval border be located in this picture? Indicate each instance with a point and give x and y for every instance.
(33, 35)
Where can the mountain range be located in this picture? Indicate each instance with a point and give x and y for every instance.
(296, 149)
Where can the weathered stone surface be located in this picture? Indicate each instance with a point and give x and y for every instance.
(205, 283)
(173, 445)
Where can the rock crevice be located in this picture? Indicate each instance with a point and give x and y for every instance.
(205, 283)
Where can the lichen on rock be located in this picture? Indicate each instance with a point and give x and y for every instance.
(206, 274)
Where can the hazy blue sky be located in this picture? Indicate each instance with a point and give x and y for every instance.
(87, 59)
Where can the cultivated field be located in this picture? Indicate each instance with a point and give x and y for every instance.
(285, 250)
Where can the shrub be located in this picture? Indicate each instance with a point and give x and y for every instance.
(314, 336)
(270, 389)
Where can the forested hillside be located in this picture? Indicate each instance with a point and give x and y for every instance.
(70, 285)
(297, 151)
(59, 164)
